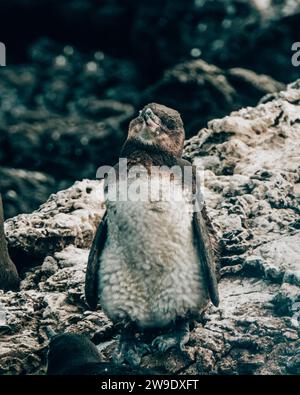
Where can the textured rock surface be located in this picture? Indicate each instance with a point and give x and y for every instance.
(251, 160)
(69, 217)
(201, 91)
(63, 115)
(254, 34)
(62, 129)
(24, 190)
(159, 34)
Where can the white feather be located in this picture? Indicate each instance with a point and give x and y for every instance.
(150, 271)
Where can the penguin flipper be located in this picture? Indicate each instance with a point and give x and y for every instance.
(92, 271)
(205, 236)
(207, 252)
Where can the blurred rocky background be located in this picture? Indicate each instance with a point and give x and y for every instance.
(78, 70)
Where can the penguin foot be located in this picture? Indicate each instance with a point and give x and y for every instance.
(130, 351)
(177, 338)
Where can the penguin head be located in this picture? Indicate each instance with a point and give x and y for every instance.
(159, 126)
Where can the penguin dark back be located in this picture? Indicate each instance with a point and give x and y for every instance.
(75, 354)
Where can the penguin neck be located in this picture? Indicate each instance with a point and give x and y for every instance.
(137, 152)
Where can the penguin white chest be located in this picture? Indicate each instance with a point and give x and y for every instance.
(150, 271)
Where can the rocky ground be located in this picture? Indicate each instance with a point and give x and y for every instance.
(251, 160)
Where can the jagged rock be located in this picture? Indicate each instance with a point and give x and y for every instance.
(222, 32)
(65, 112)
(61, 146)
(3, 322)
(212, 92)
(251, 179)
(9, 277)
(23, 191)
(248, 33)
(68, 217)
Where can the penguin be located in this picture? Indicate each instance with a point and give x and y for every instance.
(75, 354)
(9, 277)
(153, 261)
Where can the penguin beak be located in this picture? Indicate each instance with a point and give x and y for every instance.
(151, 121)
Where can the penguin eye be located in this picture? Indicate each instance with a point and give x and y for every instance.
(169, 122)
